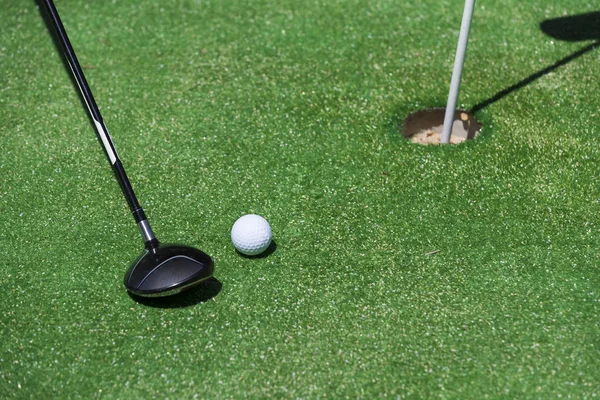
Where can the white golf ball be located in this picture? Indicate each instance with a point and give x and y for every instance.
(251, 234)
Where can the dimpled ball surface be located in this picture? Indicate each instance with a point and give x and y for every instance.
(251, 234)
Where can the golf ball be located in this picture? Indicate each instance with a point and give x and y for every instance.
(251, 234)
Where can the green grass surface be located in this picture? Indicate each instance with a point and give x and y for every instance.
(289, 109)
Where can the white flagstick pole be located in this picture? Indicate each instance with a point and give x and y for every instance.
(459, 61)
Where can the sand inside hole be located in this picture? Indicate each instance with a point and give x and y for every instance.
(425, 126)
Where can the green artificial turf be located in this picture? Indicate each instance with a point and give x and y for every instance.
(290, 109)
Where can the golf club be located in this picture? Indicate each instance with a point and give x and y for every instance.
(459, 61)
(162, 269)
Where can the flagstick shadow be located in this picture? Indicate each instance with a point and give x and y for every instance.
(581, 27)
(533, 77)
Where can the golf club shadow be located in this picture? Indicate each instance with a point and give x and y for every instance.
(575, 28)
(270, 250)
(202, 293)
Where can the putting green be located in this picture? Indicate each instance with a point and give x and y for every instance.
(400, 270)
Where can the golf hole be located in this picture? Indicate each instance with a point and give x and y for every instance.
(425, 126)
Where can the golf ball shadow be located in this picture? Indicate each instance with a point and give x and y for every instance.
(270, 250)
(200, 293)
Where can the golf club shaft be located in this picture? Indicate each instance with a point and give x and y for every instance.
(107, 143)
(459, 61)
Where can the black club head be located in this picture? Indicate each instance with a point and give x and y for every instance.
(167, 270)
